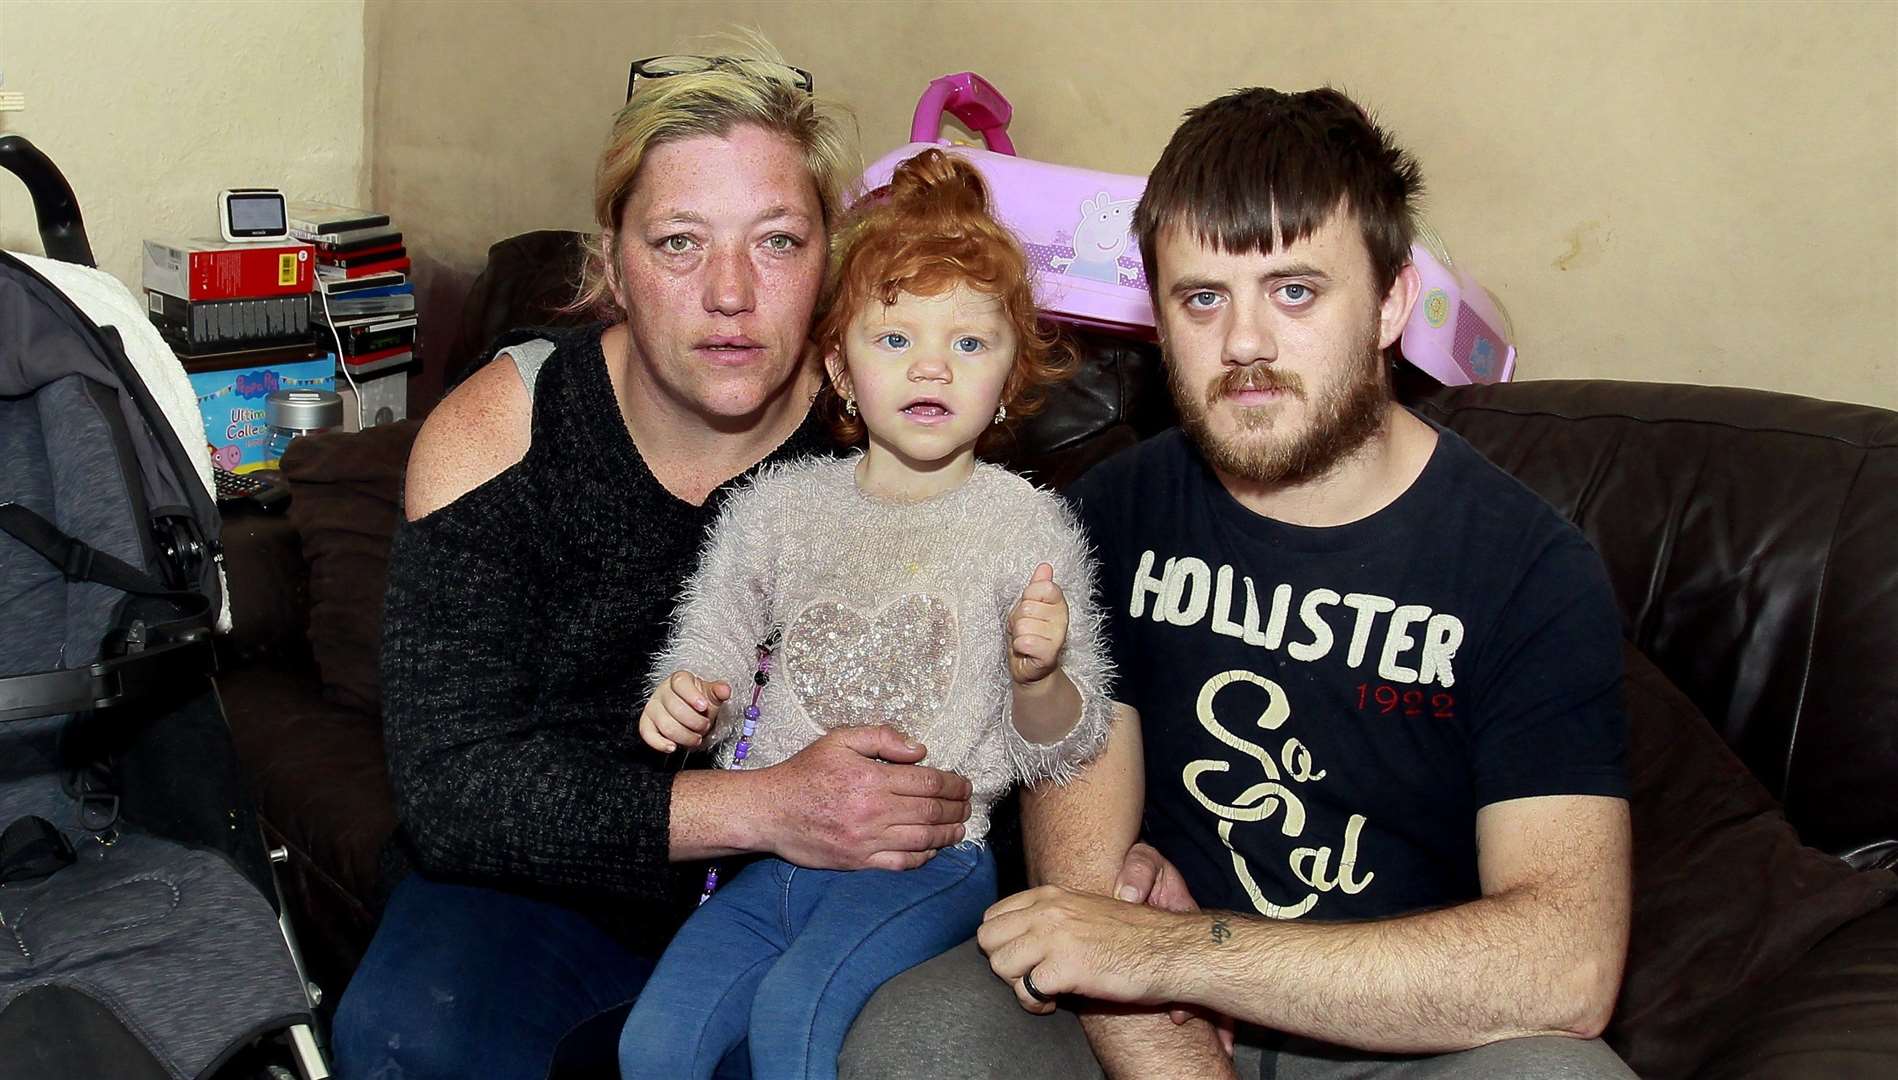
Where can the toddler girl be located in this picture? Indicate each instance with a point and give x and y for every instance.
(907, 585)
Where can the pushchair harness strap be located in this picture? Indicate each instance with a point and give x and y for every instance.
(80, 561)
(152, 650)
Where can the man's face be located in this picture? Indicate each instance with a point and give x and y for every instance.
(1275, 360)
(719, 258)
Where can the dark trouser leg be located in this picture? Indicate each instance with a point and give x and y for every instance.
(1544, 1058)
(952, 1019)
(463, 981)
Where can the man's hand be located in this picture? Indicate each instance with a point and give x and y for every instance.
(855, 799)
(1037, 628)
(1078, 943)
(1146, 877)
(1079, 835)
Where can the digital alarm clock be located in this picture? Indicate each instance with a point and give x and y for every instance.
(252, 214)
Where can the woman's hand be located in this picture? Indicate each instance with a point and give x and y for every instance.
(680, 712)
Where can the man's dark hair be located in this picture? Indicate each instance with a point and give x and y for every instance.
(1255, 159)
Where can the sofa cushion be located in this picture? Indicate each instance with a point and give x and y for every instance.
(1726, 898)
(1834, 1014)
(345, 501)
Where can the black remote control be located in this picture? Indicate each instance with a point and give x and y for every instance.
(248, 487)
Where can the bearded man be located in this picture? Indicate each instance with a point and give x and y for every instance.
(1377, 683)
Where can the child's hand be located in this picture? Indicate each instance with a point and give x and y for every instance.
(681, 711)
(1037, 628)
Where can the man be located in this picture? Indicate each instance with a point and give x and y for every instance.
(1376, 678)
(556, 503)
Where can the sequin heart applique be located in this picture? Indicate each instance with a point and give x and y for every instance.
(894, 669)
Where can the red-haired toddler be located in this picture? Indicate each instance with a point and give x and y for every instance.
(907, 585)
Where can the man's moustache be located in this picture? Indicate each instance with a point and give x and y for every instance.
(1256, 377)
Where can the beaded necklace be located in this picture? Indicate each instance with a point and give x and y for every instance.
(742, 750)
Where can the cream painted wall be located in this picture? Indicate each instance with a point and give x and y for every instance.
(150, 108)
(1691, 192)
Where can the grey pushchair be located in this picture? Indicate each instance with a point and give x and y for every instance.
(140, 929)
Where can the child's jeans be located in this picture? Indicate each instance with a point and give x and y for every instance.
(786, 957)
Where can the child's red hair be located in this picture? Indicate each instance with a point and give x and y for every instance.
(929, 230)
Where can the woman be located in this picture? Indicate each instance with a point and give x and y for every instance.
(556, 501)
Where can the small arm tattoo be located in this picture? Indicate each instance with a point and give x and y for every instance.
(1221, 929)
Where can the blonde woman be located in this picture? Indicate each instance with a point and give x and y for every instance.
(556, 502)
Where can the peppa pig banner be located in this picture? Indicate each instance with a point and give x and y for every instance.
(232, 403)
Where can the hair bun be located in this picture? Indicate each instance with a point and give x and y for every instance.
(944, 183)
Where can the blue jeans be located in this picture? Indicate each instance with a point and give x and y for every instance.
(463, 981)
(784, 958)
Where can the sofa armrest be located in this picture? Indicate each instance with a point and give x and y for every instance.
(318, 775)
(269, 586)
(317, 769)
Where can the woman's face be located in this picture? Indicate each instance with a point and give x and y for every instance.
(719, 258)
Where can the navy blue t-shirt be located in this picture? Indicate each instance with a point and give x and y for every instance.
(1324, 710)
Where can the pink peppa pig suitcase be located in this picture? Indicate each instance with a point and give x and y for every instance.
(1076, 226)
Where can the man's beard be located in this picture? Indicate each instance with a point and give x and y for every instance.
(1350, 413)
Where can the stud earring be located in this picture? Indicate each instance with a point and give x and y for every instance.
(850, 406)
(1001, 413)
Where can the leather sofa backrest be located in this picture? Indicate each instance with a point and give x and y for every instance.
(1752, 539)
(528, 281)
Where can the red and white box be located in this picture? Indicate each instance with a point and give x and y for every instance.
(220, 270)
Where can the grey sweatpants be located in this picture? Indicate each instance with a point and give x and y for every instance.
(952, 1019)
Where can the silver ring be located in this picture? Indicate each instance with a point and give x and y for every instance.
(1028, 984)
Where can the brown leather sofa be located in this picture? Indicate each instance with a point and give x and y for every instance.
(1752, 539)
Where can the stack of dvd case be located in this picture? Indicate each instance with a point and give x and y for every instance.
(363, 291)
(196, 327)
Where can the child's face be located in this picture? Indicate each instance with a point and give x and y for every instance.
(927, 373)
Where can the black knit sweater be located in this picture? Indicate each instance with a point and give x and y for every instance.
(519, 625)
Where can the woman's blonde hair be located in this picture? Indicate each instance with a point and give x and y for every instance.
(747, 83)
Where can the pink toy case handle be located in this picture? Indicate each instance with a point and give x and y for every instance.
(969, 98)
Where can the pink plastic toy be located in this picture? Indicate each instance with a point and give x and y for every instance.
(1076, 227)
(1457, 334)
(1074, 224)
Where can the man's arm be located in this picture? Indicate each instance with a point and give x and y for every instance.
(1077, 836)
(1539, 954)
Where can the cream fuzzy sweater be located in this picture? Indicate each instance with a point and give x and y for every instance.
(890, 613)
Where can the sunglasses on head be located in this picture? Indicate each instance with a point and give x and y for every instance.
(658, 67)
